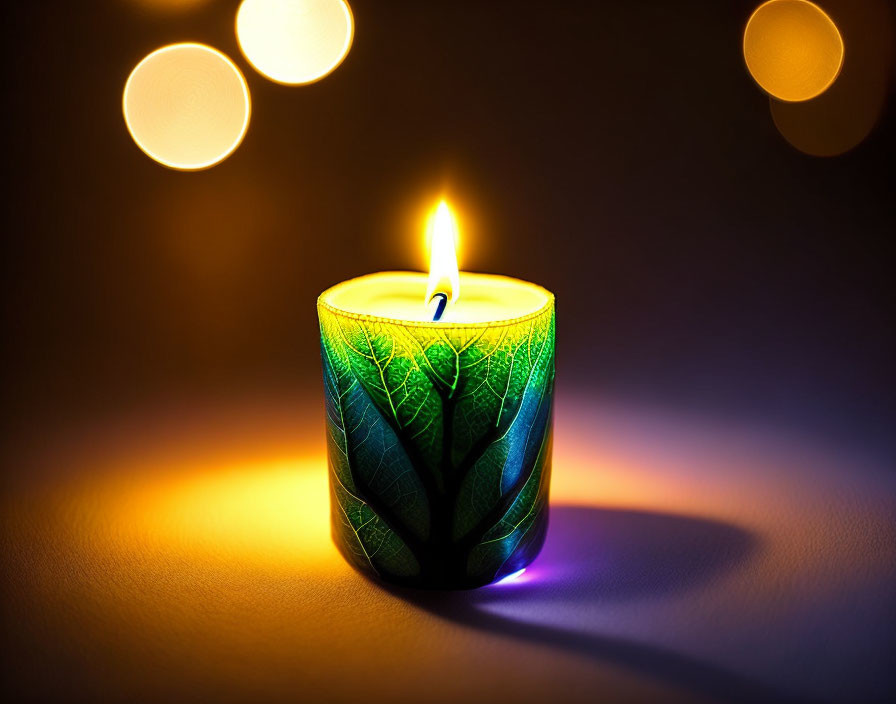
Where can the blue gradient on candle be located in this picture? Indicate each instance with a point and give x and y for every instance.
(511, 577)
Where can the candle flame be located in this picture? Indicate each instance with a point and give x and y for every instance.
(442, 234)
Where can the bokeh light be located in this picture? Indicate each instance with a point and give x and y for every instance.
(187, 106)
(294, 41)
(792, 49)
(844, 115)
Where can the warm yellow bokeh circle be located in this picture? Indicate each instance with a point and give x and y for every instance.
(187, 106)
(793, 49)
(294, 41)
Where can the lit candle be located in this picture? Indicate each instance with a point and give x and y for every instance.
(439, 390)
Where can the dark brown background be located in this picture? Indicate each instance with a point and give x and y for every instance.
(722, 493)
(616, 152)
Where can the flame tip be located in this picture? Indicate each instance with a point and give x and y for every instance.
(444, 276)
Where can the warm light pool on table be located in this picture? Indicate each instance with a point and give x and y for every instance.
(205, 529)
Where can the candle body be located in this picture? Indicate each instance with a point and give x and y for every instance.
(439, 442)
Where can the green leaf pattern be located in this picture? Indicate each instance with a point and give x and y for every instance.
(438, 444)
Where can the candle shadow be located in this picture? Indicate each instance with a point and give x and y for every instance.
(599, 556)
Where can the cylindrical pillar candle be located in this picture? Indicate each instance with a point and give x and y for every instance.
(439, 433)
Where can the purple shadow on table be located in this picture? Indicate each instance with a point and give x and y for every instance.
(606, 556)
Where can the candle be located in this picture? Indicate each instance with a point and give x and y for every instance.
(439, 431)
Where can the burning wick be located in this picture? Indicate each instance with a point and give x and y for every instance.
(440, 302)
(443, 285)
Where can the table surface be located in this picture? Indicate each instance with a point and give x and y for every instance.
(182, 553)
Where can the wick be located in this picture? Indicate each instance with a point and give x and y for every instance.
(440, 306)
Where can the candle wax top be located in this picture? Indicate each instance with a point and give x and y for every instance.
(399, 296)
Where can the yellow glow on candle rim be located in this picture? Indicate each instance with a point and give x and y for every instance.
(187, 106)
(442, 236)
(395, 297)
(294, 41)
